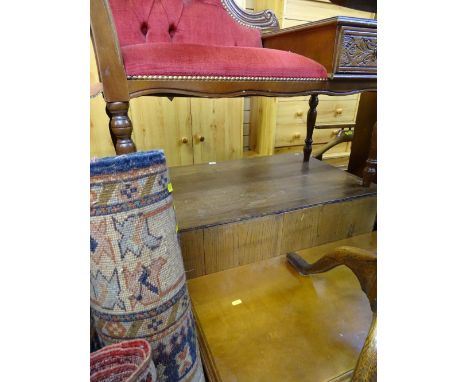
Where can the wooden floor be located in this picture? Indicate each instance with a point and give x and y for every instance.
(238, 212)
(265, 322)
(206, 195)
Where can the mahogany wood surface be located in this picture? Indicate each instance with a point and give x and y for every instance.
(224, 192)
(265, 322)
(216, 89)
(120, 127)
(107, 51)
(322, 41)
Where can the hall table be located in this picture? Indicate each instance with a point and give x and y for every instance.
(265, 322)
(347, 48)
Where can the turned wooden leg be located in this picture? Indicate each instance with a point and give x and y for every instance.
(369, 174)
(120, 127)
(311, 117)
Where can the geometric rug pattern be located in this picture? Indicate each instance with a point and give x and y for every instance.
(138, 286)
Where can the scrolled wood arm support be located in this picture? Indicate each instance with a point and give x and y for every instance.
(265, 20)
(364, 265)
(120, 127)
(342, 136)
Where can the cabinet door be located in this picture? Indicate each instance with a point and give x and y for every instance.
(217, 129)
(161, 124)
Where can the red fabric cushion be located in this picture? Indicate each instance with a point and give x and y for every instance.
(179, 21)
(203, 60)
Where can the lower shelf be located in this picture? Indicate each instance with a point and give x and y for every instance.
(239, 212)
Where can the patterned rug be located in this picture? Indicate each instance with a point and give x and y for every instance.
(138, 287)
(128, 361)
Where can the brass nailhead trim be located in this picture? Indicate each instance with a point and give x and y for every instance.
(223, 78)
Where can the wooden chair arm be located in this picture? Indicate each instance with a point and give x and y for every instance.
(342, 136)
(364, 265)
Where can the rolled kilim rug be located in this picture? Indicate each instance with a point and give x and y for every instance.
(138, 287)
(128, 361)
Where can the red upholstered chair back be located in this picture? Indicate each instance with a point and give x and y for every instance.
(204, 22)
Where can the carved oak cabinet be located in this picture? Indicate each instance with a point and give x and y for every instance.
(278, 124)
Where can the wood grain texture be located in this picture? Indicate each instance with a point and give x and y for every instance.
(191, 243)
(108, 56)
(338, 110)
(293, 135)
(230, 245)
(220, 123)
(263, 124)
(300, 229)
(286, 327)
(341, 151)
(313, 226)
(346, 219)
(248, 210)
(163, 124)
(236, 190)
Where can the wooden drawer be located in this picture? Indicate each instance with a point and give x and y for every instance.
(330, 111)
(339, 151)
(292, 135)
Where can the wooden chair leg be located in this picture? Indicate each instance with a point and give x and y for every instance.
(369, 174)
(120, 127)
(311, 117)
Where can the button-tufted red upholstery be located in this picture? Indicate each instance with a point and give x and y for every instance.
(198, 38)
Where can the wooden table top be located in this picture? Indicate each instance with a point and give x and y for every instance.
(235, 190)
(265, 322)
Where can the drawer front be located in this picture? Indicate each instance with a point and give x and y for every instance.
(293, 135)
(357, 51)
(330, 111)
(339, 151)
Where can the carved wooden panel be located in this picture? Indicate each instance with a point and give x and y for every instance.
(264, 20)
(357, 51)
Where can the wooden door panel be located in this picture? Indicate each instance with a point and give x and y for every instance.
(161, 124)
(217, 129)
